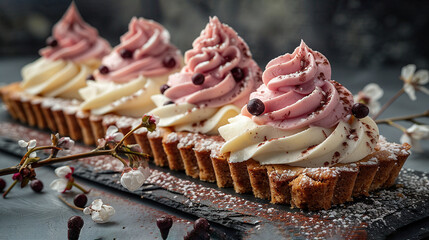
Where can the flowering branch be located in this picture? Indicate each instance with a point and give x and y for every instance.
(410, 118)
(112, 144)
(388, 103)
(413, 81)
(49, 161)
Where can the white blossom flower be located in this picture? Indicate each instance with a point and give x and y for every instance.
(414, 134)
(60, 185)
(64, 181)
(101, 142)
(113, 134)
(29, 145)
(65, 143)
(64, 172)
(100, 213)
(369, 96)
(134, 179)
(414, 80)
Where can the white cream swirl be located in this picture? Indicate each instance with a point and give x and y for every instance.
(129, 99)
(56, 78)
(192, 118)
(308, 147)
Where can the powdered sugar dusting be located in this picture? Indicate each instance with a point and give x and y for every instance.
(189, 139)
(172, 137)
(350, 219)
(124, 122)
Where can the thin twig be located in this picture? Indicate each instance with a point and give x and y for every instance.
(49, 161)
(68, 204)
(10, 188)
(397, 126)
(388, 103)
(81, 188)
(403, 118)
(36, 149)
(126, 136)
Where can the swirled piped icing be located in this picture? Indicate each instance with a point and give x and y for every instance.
(298, 92)
(149, 45)
(131, 80)
(64, 66)
(306, 121)
(216, 54)
(76, 40)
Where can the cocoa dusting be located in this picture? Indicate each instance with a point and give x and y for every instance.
(308, 149)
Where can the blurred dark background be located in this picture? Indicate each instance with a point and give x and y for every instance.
(350, 33)
(365, 41)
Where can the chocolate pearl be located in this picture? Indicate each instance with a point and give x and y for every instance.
(164, 88)
(74, 225)
(51, 41)
(201, 224)
(103, 69)
(360, 110)
(168, 103)
(164, 224)
(169, 62)
(125, 53)
(237, 73)
(80, 200)
(255, 107)
(198, 79)
(36, 185)
(90, 77)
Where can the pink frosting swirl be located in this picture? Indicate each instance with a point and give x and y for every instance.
(77, 41)
(216, 52)
(149, 45)
(298, 92)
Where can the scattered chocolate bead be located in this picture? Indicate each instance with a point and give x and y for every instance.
(200, 231)
(163, 88)
(164, 224)
(201, 224)
(360, 110)
(198, 79)
(51, 41)
(255, 107)
(169, 62)
(2, 184)
(74, 225)
(80, 200)
(36, 185)
(125, 53)
(103, 69)
(90, 77)
(168, 103)
(237, 73)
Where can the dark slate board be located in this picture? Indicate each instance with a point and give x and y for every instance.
(396, 213)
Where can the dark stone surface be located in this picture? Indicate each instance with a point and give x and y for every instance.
(393, 215)
(403, 218)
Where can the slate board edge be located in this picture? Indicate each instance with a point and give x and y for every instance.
(375, 231)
